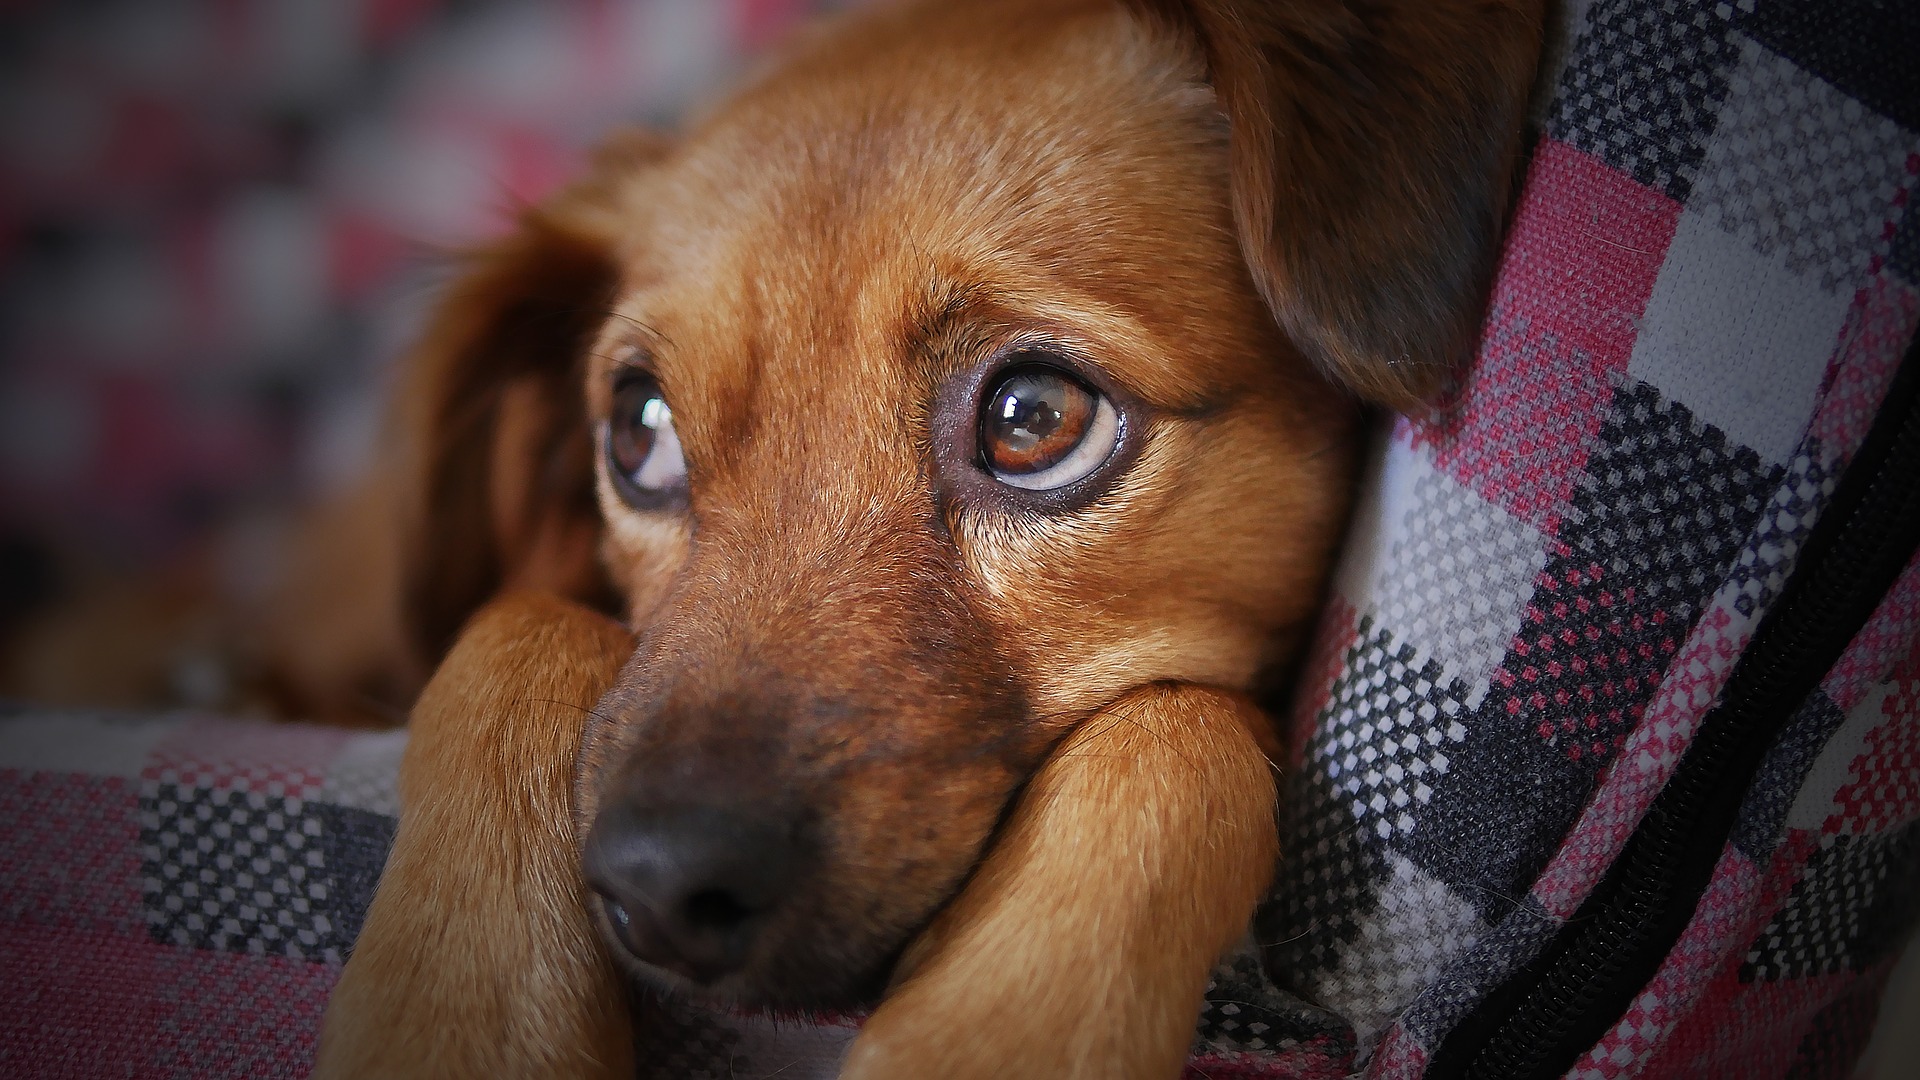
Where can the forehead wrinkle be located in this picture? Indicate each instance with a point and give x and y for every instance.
(959, 317)
(854, 185)
(928, 310)
(997, 141)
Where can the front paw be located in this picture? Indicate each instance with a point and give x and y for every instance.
(477, 957)
(1082, 947)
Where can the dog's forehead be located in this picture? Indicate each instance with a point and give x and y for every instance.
(1058, 159)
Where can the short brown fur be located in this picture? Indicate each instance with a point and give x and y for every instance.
(494, 939)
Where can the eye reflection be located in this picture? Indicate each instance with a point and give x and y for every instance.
(643, 452)
(1041, 428)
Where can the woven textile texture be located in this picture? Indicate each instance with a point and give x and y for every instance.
(179, 893)
(1709, 282)
(1711, 277)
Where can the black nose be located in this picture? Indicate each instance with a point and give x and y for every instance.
(688, 888)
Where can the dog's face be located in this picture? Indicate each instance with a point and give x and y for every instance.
(932, 402)
(936, 409)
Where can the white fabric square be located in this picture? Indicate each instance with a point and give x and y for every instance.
(1833, 769)
(1388, 469)
(1418, 925)
(1458, 576)
(1801, 171)
(1738, 338)
(366, 774)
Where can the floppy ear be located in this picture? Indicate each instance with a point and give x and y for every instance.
(1372, 144)
(497, 486)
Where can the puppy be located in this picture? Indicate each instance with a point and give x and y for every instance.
(962, 419)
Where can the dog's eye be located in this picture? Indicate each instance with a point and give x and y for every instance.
(1041, 428)
(643, 451)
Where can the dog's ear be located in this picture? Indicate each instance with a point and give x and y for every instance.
(497, 482)
(1372, 144)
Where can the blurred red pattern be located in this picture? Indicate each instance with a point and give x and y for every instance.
(218, 219)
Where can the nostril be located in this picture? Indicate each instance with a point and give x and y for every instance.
(617, 915)
(716, 909)
(638, 935)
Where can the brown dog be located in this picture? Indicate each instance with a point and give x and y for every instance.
(967, 432)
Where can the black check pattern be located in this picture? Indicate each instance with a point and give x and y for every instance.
(1762, 818)
(1657, 518)
(248, 872)
(676, 1042)
(1242, 1012)
(1851, 908)
(1643, 85)
(1325, 885)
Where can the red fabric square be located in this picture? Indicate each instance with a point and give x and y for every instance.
(288, 760)
(70, 852)
(238, 1015)
(1883, 791)
(1586, 246)
(78, 1004)
(1753, 1030)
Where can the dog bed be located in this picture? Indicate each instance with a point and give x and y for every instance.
(1607, 755)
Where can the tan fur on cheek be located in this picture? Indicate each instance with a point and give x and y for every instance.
(643, 552)
(1188, 570)
(478, 957)
(1132, 861)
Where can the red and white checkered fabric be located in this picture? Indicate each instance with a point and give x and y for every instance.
(177, 894)
(1711, 277)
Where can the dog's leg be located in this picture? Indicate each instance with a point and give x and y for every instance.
(1081, 948)
(477, 958)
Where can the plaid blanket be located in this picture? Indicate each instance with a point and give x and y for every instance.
(1708, 287)
(1710, 283)
(178, 893)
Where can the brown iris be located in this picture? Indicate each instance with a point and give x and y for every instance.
(644, 458)
(629, 436)
(1034, 417)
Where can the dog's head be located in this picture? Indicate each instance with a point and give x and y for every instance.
(981, 362)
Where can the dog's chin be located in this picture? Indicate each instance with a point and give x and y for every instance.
(842, 983)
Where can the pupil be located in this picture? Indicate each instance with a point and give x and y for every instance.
(640, 412)
(1039, 418)
(1026, 416)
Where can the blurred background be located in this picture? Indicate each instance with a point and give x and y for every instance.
(220, 220)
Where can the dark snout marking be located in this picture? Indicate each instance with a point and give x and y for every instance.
(689, 888)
